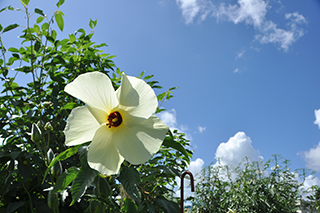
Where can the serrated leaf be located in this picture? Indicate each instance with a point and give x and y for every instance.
(59, 19)
(62, 156)
(37, 10)
(84, 178)
(10, 27)
(170, 142)
(130, 179)
(65, 179)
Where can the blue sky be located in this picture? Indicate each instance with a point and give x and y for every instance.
(247, 71)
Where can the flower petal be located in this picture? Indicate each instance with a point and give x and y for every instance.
(81, 126)
(138, 143)
(100, 115)
(136, 97)
(103, 155)
(95, 89)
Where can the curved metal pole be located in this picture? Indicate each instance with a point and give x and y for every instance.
(182, 188)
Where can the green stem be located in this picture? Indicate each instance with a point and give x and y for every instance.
(31, 207)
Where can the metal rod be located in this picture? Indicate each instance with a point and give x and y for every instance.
(182, 188)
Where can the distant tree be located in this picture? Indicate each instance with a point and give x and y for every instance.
(314, 198)
(251, 187)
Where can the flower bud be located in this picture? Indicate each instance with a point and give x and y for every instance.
(35, 133)
(48, 126)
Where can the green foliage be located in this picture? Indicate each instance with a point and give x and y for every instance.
(250, 187)
(38, 172)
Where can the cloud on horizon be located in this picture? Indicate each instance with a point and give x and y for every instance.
(249, 12)
(312, 157)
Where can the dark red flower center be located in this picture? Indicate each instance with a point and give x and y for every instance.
(114, 119)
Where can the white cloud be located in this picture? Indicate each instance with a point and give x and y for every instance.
(237, 147)
(270, 33)
(240, 54)
(190, 9)
(310, 181)
(196, 166)
(250, 12)
(202, 128)
(236, 70)
(169, 117)
(312, 158)
(317, 114)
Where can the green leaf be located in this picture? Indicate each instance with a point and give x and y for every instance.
(44, 27)
(62, 156)
(80, 184)
(169, 169)
(65, 179)
(169, 206)
(59, 19)
(36, 10)
(14, 206)
(72, 38)
(130, 179)
(173, 88)
(60, 3)
(39, 19)
(1, 27)
(36, 28)
(10, 27)
(37, 46)
(13, 49)
(52, 200)
(54, 34)
(148, 77)
(104, 188)
(170, 142)
(25, 2)
(92, 24)
(14, 154)
(129, 206)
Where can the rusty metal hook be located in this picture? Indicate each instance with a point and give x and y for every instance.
(182, 188)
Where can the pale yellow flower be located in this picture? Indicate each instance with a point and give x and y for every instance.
(120, 124)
